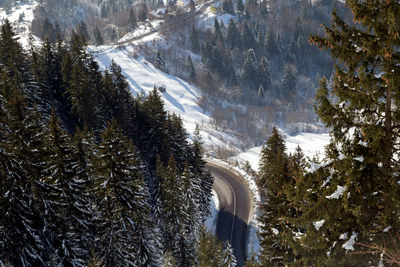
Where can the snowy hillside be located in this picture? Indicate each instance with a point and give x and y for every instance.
(180, 97)
(21, 16)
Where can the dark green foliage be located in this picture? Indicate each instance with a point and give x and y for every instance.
(132, 20)
(190, 68)
(194, 41)
(82, 31)
(212, 253)
(288, 82)
(250, 72)
(90, 199)
(98, 38)
(277, 176)
(248, 40)
(233, 37)
(159, 61)
(227, 6)
(362, 154)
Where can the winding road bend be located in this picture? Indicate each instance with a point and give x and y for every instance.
(234, 210)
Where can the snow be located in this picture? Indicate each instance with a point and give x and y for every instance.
(338, 193)
(318, 224)
(387, 229)
(211, 222)
(206, 19)
(349, 245)
(275, 231)
(180, 97)
(21, 28)
(312, 144)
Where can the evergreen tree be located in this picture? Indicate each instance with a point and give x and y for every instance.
(67, 193)
(48, 31)
(194, 40)
(119, 185)
(250, 72)
(227, 6)
(233, 36)
(211, 252)
(190, 68)
(132, 20)
(97, 36)
(264, 74)
(82, 31)
(270, 44)
(273, 178)
(288, 82)
(239, 6)
(248, 40)
(159, 61)
(359, 185)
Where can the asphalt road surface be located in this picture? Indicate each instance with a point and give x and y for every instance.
(234, 210)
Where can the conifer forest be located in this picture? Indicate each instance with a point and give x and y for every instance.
(222, 133)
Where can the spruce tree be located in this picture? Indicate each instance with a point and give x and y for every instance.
(118, 185)
(250, 71)
(359, 185)
(98, 38)
(233, 37)
(190, 68)
(272, 180)
(248, 40)
(132, 20)
(194, 41)
(264, 74)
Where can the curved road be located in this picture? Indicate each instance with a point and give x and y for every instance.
(234, 210)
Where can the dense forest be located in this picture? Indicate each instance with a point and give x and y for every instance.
(91, 176)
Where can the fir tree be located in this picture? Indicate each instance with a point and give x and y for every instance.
(250, 72)
(97, 36)
(233, 37)
(194, 40)
(273, 179)
(359, 186)
(119, 184)
(288, 82)
(248, 40)
(264, 74)
(190, 68)
(82, 31)
(132, 20)
(239, 6)
(159, 61)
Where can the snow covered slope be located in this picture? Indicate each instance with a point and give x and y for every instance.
(180, 96)
(21, 17)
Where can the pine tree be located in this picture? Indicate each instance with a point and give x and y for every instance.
(97, 36)
(190, 68)
(211, 252)
(248, 40)
(273, 178)
(233, 37)
(67, 187)
(159, 61)
(194, 41)
(261, 91)
(250, 71)
(82, 31)
(264, 74)
(227, 6)
(132, 20)
(239, 6)
(359, 185)
(119, 185)
(270, 44)
(288, 82)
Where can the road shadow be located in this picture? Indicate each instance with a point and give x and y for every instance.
(237, 237)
